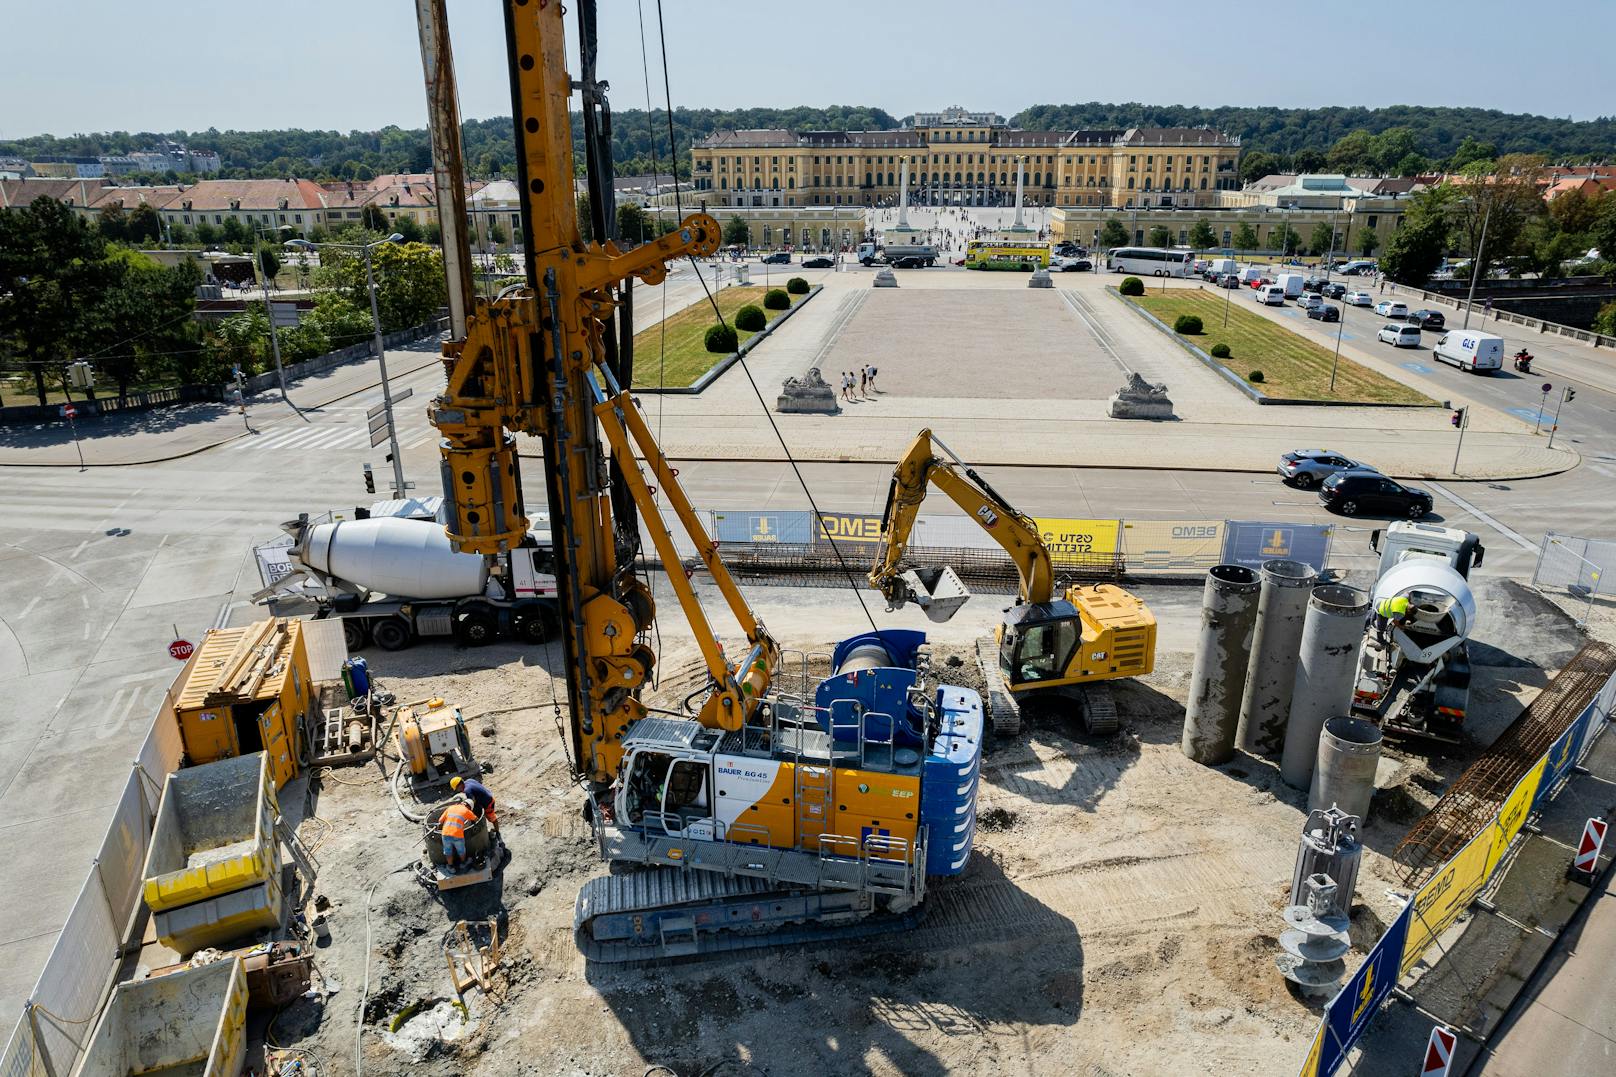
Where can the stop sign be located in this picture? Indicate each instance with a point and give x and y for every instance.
(180, 649)
(68, 411)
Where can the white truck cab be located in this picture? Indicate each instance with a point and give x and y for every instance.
(1408, 540)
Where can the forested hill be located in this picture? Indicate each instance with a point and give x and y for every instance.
(1438, 132)
(1400, 138)
(489, 148)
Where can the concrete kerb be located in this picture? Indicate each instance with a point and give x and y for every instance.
(718, 369)
(1240, 383)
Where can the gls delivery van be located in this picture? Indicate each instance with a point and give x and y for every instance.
(1470, 349)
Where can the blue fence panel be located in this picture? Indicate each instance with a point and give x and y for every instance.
(1350, 1011)
(753, 525)
(1251, 542)
(1564, 755)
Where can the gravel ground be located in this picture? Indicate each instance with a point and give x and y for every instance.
(1120, 915)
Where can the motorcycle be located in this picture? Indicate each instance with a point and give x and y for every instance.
(1523, 361)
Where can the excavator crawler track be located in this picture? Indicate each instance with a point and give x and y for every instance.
(1099, 709)
(1003, 710)
(698, 914)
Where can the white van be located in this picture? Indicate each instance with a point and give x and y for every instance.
(1291, 283)
(1217, 267)
(1249, 274)
(1470, 349)
(1270, 295)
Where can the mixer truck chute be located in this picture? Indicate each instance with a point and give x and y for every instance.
(1414, 669)
(394, 579)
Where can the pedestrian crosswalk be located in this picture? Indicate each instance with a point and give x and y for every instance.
(323, 438)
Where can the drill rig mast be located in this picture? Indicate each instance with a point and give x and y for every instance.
(762, 816)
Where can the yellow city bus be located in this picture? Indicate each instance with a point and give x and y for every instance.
(1006, 254)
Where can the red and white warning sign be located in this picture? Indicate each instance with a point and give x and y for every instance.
(1439, 1052)
(68, 411)
(180, 649)
(1593, 837)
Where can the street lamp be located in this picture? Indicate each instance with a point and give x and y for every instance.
(399, 487)
(274, 335)
(1475, 269)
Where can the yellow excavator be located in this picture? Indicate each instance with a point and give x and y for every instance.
(774, 807)
(1050, 651)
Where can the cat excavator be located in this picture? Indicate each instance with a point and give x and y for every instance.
(1052, 652)
(773, 807)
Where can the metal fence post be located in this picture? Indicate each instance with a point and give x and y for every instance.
(1543, 551)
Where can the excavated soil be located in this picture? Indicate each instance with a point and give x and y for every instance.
(1119, 916)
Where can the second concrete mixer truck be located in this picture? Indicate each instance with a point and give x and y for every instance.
(394, 579)
(1414, 669)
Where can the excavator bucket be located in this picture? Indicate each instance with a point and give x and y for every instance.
(938, 591)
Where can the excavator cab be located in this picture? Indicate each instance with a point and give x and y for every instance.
(1038, 641)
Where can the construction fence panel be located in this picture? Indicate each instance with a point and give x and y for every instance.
(1171, 546)
(763, 525)
(67, 997)
(1251, 542)
(1359, 999)
(1072, 539)
(123, 851)
(1576, 564)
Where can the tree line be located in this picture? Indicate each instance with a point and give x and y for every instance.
(1401, 139)
(72, 289)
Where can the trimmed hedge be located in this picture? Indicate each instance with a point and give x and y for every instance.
(1132, 286)
(776, 299)
(1254, 376)
(1220, 351)
(1187, 325)
(797, 286)
(750, 318)
(722, 338)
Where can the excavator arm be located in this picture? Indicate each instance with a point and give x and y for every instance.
(939, 592)
(536, 360)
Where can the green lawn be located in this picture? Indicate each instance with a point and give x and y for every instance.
(1293, 367)
(687, 357)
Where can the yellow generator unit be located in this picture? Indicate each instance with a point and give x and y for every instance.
(431, 740)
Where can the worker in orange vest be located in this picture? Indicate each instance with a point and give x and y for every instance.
(456, 818)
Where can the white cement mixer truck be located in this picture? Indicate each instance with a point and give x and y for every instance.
(1413, 670)
(394, 579)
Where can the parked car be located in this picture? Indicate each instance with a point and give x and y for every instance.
(818, 261)
(1390, 308)
(1070, 264)
(1229, 280)
(1309, 467)
(1428, 319)
(1353, 492)
(1308, 300)
(1333, 290)
(1324, 312)
(778, 258)
(1360, 299)
(1403, 336)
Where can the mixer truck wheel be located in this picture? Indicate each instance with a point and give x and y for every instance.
(354, 634)
(533, 626)
(392, 633)
(476, 626)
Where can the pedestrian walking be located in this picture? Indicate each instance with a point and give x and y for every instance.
(872, 377)
(864, 381)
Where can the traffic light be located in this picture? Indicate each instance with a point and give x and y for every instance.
(1458, 417)
(1571, 394)
(370, 480)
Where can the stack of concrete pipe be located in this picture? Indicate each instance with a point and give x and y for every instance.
(1325, 672)
(1228, 618)
(1265, 707)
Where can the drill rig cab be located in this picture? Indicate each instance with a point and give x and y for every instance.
(1050, 650)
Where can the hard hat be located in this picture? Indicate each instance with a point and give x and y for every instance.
(456, 782)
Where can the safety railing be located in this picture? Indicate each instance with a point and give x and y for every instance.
(876, 862)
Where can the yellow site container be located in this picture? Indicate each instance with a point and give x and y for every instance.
(214, 833)
(192, 1022)
(248, 690)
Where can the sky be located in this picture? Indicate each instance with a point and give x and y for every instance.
(355, 64)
